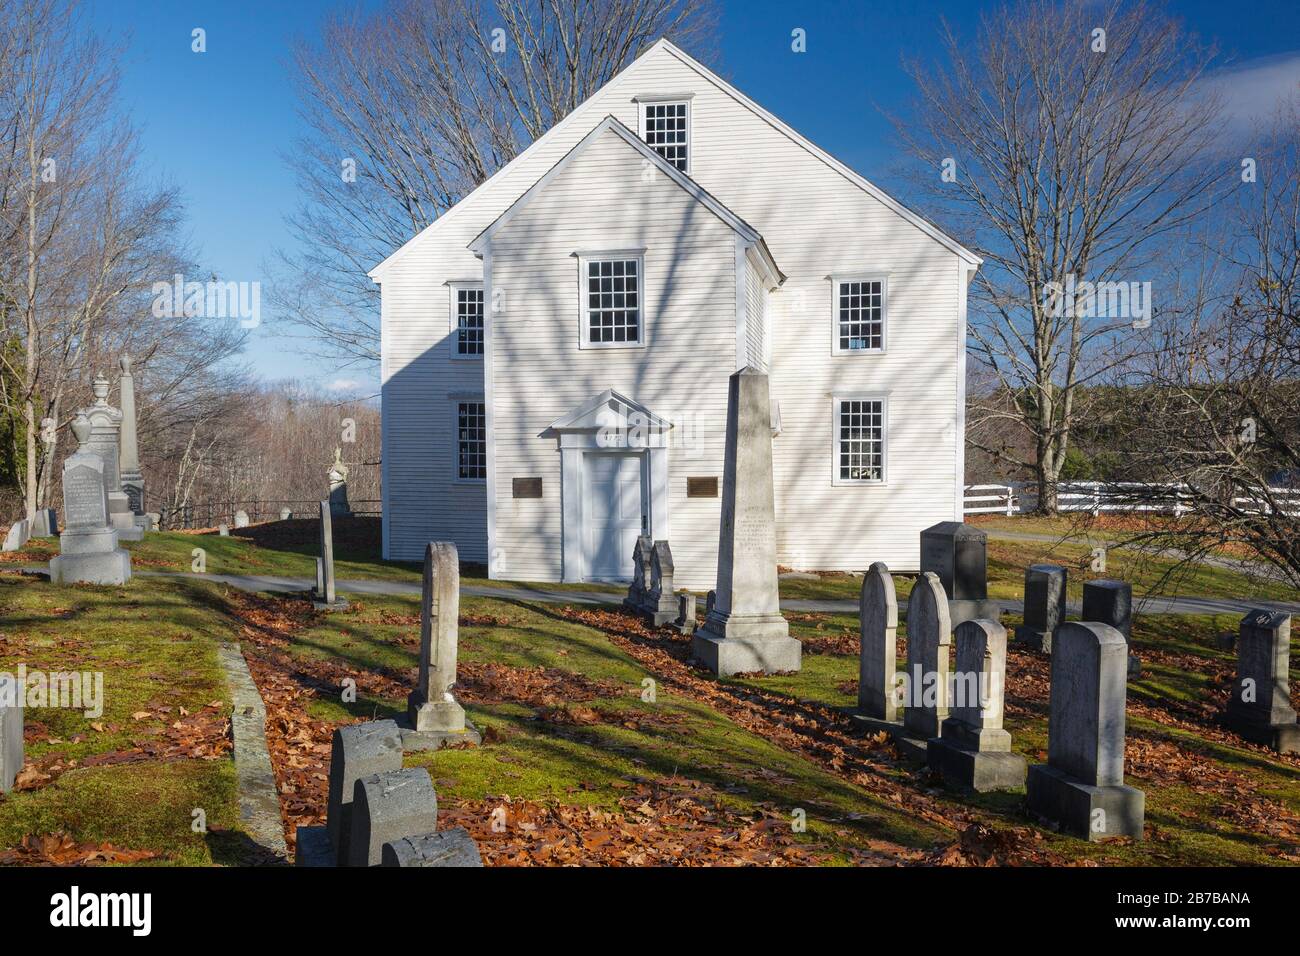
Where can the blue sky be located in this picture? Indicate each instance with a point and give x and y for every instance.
(217, 124)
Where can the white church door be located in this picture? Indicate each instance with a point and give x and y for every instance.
(617, 511)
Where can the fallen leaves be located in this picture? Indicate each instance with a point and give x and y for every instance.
(60, 849)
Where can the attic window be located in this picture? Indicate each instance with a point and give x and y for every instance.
(666, 126)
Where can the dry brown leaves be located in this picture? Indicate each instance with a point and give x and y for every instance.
(59, 849)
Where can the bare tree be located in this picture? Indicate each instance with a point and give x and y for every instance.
(1070, 140)
(413, 106)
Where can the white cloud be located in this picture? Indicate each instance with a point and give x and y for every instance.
(1251, 93)
(343, 385)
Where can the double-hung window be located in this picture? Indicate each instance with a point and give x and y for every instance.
(860, 424)
(612, 294)
(859, 313)
(467, 320)
(471, 441)
(666, 128)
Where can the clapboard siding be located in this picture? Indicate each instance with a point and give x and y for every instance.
(816, 222)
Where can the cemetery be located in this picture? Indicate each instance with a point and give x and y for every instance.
(294, 699)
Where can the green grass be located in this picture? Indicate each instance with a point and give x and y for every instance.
(155, 646)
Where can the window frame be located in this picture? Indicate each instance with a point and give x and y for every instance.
(584, 328)
(836, 282)
(836, 411)
(456, 402)
(453, 291)
(675, 99)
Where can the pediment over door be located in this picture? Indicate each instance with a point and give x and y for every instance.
(611, 420)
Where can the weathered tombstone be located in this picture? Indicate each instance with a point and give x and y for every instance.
(223, 529)
(88, 551)
(1260, 706)
(663, 601)
(453, 847)
(338, 478)
(710, 599)
(359, 750)
(1044, 605)
(241, 519)
(958, 554)
(154, 520)
(1081, 787)
(324, 597)
(11, 730)
(388, 806)
(973, 751)
(638, 592)
(929, 636)
(435, 718)
(745, 630)
(285, 514)
(105, 429)
(45, 524)
(18, 536)
(686, 612)
(1111, 602)
(132, 477)
(878, 658)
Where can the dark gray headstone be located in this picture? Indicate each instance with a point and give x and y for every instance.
(638, 592)
(1045, 590)
(1111, 602)
(359, 750)
(1081, 786)
(1260, 706)
(453, 847)
(388, 806)
(958, 554)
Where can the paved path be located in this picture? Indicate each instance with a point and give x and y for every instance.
(246, 582)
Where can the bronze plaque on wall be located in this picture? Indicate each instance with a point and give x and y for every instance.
(702, 487)
(526, 487)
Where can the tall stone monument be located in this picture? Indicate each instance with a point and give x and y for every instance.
(324, 597)
(973, 750)
(878, 658)
(105, 431)
(11, 730)
(929, 637)
(132, 477)
(88, 551)
(958, 554)
(338, 476)
(638, 592)
(1081, 786)
(1260, 706)
(1044, 605)
(433, 714)
(745, 630)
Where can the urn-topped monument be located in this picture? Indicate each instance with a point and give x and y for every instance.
(105, 428)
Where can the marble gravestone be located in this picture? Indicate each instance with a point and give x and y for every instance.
(454, 847)
(88, 551)
(338, 479)
(434, 717)
(241, 519)
(1260, 706)
(18, 536)
(46, 523)
(663, 600)
(132, 477)
(323, 594)
(105, 431)
(958, 554)
(1044, 605)
(744, 631)
(878, 658)
(973, 751)
(638, 592)
(1111, 602)
(11, 730)
(929, 637)
(686, 612)
(285, 514)
(223, 530)
(358, 750)
(1081, 787)
(388, 806)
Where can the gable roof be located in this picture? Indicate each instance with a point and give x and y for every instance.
(595, 414)
(701, 195)
(921, 223)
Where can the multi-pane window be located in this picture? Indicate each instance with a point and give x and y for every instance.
(860, 439)
(859, 315)
(471, 440)
(469, 320)
(613, 299)
(667, 131)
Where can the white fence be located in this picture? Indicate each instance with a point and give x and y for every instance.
(1098, 496)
